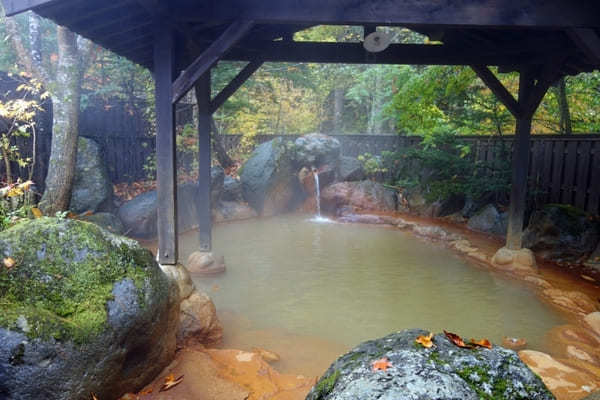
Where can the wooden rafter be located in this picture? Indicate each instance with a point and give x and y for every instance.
(498, 89)
(210, 57)
(234, 85)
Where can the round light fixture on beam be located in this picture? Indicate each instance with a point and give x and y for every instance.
(376, 42)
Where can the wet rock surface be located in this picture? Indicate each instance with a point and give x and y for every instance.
(442, 372)
(92, 188)
(363, 195)
(562, 233)
(82, 311)
(233, 211)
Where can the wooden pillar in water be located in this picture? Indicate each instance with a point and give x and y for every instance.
(520, 164)
(164, 72)
(203, 204)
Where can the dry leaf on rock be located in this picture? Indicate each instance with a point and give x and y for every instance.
(482, 343)
(9, 262)
(457, 340)
(381, 365)
(425, 341)
(170, 382)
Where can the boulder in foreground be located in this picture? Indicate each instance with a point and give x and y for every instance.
(442, 372)
(83, 311)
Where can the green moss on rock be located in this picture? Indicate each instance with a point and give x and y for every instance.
(64, 276)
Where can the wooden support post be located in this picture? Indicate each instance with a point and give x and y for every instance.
(203, 204)
(520, 164)
(164, 71)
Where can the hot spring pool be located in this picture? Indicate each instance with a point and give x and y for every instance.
(343, 284)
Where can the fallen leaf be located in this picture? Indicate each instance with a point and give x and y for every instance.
(170, 382)
(381, 365)
(482, 343)
(94, 396)
(86, 214)
(145, 391)
(457, 340)
(37, 212)
(425, 341)
(9, 262)
(71, 215)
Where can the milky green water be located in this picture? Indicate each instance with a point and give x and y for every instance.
(348, 283)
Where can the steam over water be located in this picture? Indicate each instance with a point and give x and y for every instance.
(347, 283)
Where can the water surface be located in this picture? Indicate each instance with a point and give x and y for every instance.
(344, 283)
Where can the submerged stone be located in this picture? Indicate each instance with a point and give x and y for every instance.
(442, 372)
(83, 311)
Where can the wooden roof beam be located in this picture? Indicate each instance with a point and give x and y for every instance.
(210, 57)
(13, 7)
(460, 13)
(354, 53)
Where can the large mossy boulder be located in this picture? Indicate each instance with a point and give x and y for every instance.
(443, 372)
(562, 233)
(83, 311)
(358, 196)
(269, 179)
(315, 150)
(92, 187)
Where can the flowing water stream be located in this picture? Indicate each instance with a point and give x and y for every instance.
(340, 284)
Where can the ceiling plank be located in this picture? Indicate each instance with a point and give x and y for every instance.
(13, 7)
(489, 13)
(588, 41)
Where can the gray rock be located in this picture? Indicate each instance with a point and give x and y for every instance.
(217, 180)
(105, 220)
(92, 188)
(269, 179)
(316, 149)
(233, 211)
(350, 169)
(593, 396)
(139, 215)
(232, 189)
(444, 372)
(489, 220)
(562, 233)
(593, 260)
(84, 311)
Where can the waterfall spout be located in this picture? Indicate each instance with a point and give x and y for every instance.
(318, 217)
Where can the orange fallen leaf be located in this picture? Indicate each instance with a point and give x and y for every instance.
(457, 340)
(9, 262)
(145, 391)
(71, 215)
(381, 365)
(37, 212)
(170, 382)
(425, 341)
(482, 343)
(87, 213)
(94, 396)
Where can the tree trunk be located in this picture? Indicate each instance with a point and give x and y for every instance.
(563, 107)
(338, 110)
(66, 99)
(224, 160)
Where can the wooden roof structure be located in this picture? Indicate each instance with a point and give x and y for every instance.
(181, 40)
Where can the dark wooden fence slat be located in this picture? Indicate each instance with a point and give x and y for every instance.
(570, 166)
(583, 169)
(557, 168)
(594, 195)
